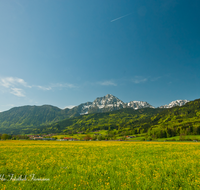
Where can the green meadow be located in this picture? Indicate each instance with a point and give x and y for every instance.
(99, 165)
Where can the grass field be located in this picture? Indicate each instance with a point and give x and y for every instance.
(102, 132)
(99, 165)
(78, 136)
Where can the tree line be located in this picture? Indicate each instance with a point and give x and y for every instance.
(13, 137)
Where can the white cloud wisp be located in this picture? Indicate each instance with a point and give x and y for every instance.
(139, 79)
(11, 81)
(13, 85)
(16, 86)
(57, 85)
(107, 83)
(17, 92)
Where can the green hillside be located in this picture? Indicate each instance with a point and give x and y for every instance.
(183, 120)
(133, 121)
(157, 123)
(20, 119)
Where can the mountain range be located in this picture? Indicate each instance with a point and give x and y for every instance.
(175, 103)
(111, 103)
(154, 122)
(22, 119)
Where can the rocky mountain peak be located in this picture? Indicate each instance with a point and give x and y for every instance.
(175, 103)
(111, 103)
(139, 104)
(108, 101)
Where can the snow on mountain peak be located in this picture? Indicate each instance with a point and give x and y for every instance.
(175, 103)
(139, 104)
(110, 103)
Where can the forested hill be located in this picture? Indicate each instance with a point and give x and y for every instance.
(133, 120)
(157, 122)
(183, 120)
(26, 117)
(46, 119)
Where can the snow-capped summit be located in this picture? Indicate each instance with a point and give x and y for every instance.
(175, 103)
(111, 103)
(108, 101)
(139, 104)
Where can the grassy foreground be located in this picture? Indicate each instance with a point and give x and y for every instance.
(99, 165)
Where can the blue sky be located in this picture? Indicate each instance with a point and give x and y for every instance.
(67, 52)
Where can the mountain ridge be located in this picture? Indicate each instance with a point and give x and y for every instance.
(175, 103)
(118, 104)
(155, 122)
(17, 118)
(111, 103)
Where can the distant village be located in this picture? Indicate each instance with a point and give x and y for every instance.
(53, 137)
(49, 137)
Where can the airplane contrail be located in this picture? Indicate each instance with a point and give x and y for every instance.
(120, 17)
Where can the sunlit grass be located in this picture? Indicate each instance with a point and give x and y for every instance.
(100, 165)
